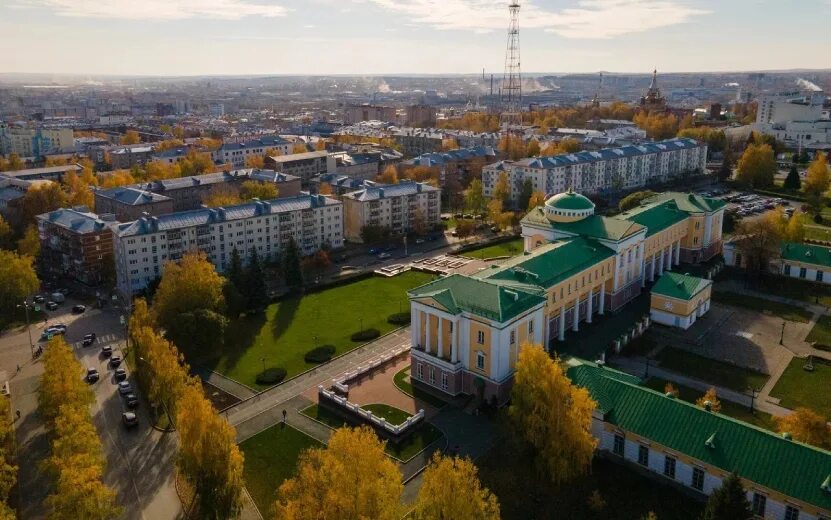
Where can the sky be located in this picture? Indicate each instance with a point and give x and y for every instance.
(263, 37)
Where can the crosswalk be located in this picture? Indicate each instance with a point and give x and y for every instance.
(101, 340)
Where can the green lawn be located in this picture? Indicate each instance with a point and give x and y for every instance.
(800, 388)
(716, 372)
(802, 290)
(511, 248)
(425, 436)
(270, 458)
(403, 383)
(288, 329)
(734, 410)
(523, 493)
(821, 333)
(392, 414)
(783, 310)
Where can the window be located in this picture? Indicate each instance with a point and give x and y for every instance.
(513, 337)
(480, 337)
(531, 327)
(802, 272)
(432, 375)
(759, 503)
(480, 360)
(643, 455)
(819, 276)
(669, 466)
(444, 381)
(787, 269)
(420, 371)
(791, 513)
(617, 447)
(697, 479)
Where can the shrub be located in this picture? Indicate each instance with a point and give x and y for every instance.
(366, 335)
(320, 354)
(818, 218)
(399, 318)
(271, 376)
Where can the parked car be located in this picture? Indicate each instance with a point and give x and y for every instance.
(130, 419)
(38, 299)
(79, 309)
(419, 240)
(115, 360)
(51, 306)
(92, 375)
(131, 400)
(89, 339)
(384, 256)
(56, 330)
(120, 374)
(125, 388)
(64, 291)
(107, 350)
(58, 297)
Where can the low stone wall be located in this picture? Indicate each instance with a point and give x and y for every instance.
(396, 432)
(340, 383)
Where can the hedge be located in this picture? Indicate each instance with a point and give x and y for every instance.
(271, 376)
(320, 354)
(366, 335)
(399, 318)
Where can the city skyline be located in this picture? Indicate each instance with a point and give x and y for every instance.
(364, 37)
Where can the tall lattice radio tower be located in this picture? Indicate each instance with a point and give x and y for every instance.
(511, 117)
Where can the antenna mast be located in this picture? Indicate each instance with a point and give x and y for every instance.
(511, 88)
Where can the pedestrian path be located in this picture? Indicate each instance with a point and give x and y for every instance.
(226, 384)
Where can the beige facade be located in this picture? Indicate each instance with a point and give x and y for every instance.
(400, 207)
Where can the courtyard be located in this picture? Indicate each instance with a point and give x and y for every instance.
(502, 249)
(280, 337)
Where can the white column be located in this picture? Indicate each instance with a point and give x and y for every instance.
(652, 273)
(661, 263)
(576, 317)
(678, 252)
(428, 343)
(441, 337)
(602, 304)
(589, 306)
(454, 347)
(615, 286)
(415, 318)
(562, 335)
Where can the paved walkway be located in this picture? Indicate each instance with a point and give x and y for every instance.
(636, 366)
(266, 406)
(226, 384)
(737, 286)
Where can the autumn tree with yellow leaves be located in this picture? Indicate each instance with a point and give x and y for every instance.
(42, 198)
(76, 460)
(816, 183)
(17, 281)
(552, 415)
(710, 398)
(352, 478)
(8, 470)
(131, 137)
(116, 179)
(806, 426)
(222, 196)
(537, 199)
(29, 243)
(451, 489)
(258, 189)
(389, 175)
(757, 166)
(209, 458)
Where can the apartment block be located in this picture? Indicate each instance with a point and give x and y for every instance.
(142, 247)
(307, 165)
(603, 171)
(35, 142)
(396, 206)
(76, 243)
(356, 113)
(235, 152)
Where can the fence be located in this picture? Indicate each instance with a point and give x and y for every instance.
(634, 331)
(396, 430)
(339, 383)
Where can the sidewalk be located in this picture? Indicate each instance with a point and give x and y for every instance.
(636, 367)
(737, 287)
(238, 390)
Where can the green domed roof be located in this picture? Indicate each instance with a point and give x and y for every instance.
(570, 200)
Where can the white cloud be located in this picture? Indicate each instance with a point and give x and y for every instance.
(587, 19)
(162, 9)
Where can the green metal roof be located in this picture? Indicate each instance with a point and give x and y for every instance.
(551, 263)
(680, 286)
(569, 200)
(689, 202)
(807, 253)
(594, 226)
(789, 467)
(484, 298)
(655, 217)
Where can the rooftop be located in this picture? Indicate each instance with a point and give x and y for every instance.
(605, 154)
(594, 226)
(299, 156)
(679, 286)
(258, 142)
(806, 253)
(380, 191)
(792, 468)
(460, 154)
(688, 202)
(569, 200)
(78, 220)
(131, 196)
(49, 170)
(205, 216)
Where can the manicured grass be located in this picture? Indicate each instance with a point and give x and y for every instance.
(292, 327)
(799, 388)
(524, 493)
(783, 310)
(729, 408)
(510, 248)
(270, 458)
(716, 372)
(821, 333)
(392, 414)
(425, 436)
(796, 289)
(402, 381)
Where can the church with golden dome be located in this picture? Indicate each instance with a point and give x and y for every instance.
(576, 265)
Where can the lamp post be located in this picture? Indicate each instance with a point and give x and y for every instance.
(753, 393)
(25, 305)
(782, 335)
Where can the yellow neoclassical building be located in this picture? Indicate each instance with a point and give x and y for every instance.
(466, 330)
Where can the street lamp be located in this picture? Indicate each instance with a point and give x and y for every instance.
(25, 305)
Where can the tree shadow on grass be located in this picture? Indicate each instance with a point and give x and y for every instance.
(286, 312)
(239, 337)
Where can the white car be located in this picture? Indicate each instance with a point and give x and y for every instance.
(124, 388)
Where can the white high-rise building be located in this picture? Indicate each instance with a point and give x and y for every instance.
(144, 246)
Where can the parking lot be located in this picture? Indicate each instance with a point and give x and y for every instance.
(749, 204)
